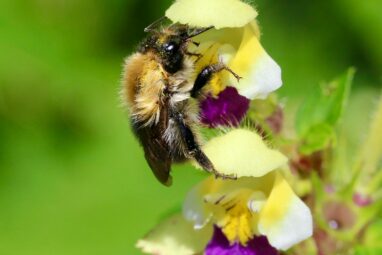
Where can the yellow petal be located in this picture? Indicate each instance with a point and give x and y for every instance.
(261, 74)
(255, 28)
(285, 219)
(175, 236)
(217, 13)
(242, 153)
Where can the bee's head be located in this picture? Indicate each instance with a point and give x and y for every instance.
(170, 45)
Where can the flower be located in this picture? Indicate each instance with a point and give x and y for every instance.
(228, 109)
(251, 207)
(243, 210)
(234, 41)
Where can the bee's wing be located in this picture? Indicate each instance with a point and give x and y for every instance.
(156, 149)
(158, 157)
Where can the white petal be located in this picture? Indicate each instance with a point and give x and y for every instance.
(261, 74)
(264, 79)
(285, 219)
(175, 236)
(194, 208)
(257, 201)
(226, 53)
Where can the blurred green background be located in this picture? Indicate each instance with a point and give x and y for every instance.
(73, 179)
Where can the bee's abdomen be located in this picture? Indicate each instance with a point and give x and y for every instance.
(143, 86)
(132, 71)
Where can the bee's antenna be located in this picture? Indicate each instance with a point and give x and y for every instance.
(152, 27)
(199, 31)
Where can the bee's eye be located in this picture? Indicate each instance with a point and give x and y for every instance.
(170, 47)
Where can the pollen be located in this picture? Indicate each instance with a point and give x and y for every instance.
(237, 219)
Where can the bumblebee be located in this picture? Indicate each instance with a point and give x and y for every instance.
(159, 89)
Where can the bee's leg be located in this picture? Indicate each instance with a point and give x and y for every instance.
(190, 143)
(206, 74)
(193, 148)
(192, 54)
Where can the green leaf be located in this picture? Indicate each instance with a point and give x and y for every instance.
(318, 137)
(320, 113)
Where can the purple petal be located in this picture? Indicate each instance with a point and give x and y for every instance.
(228, 109)
(219, 245)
